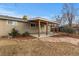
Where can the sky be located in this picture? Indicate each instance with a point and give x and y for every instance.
(46, 10)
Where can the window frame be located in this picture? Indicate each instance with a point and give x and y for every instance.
(11, 22)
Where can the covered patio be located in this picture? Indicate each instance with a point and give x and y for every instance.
(41, 32)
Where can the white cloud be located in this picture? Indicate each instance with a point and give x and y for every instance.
(9, 13)
(4, 11)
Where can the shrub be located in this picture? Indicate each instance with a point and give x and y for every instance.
(25, 34)
(67, 30)
(14, 33)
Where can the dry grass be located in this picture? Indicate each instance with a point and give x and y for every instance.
(61, 34)
(38, 48)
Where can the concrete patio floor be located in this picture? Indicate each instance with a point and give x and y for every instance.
(43, 35)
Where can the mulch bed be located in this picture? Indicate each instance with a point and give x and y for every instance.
(26, 37)
(19, 37)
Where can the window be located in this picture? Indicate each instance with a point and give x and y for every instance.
(42, 26)
(12, 22)
(32, 25)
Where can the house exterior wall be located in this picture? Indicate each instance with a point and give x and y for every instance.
(22, 27)
(6, 28)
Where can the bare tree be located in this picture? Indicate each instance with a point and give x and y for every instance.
(77, 23)
(58, 20)
(68, 13)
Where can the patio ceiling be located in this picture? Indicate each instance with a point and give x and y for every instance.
(41, 21)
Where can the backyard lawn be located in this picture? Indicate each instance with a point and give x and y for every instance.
(35, 47)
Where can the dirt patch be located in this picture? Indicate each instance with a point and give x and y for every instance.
(49, 46)
(61, 39)
(7, 42)
(40, 48)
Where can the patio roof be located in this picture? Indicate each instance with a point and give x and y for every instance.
(42, 20)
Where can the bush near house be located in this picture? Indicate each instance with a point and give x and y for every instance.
(14, 33)
(25, 34)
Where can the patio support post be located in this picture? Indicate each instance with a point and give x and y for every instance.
(46, 28)
(38, 28)
(30, 26)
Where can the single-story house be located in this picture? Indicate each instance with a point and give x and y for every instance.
(36, 25)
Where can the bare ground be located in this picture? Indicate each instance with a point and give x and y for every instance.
(50, 46)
